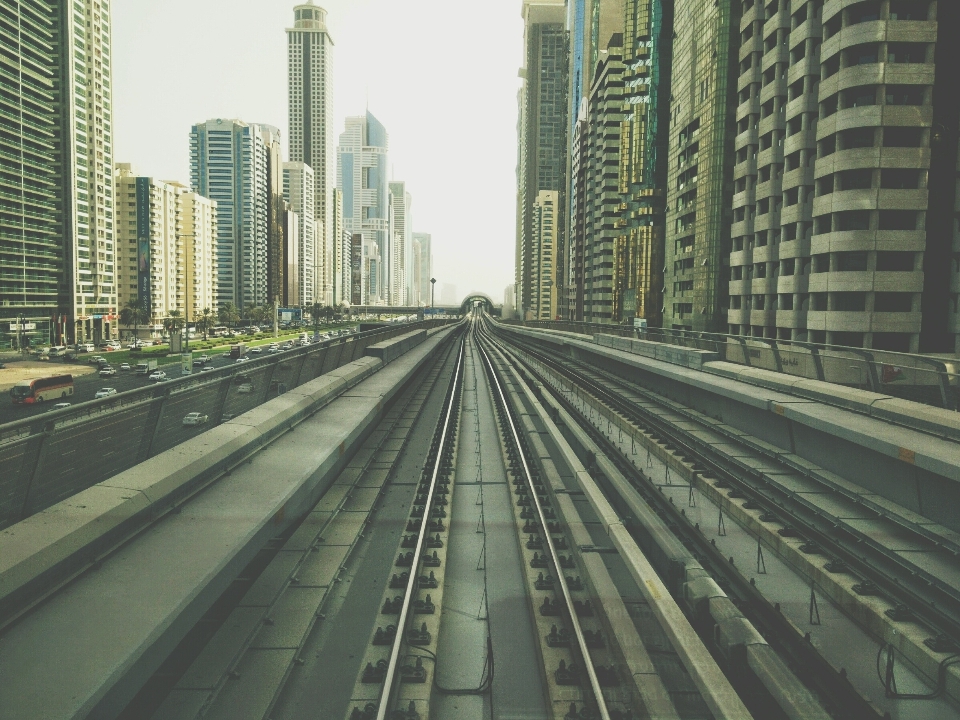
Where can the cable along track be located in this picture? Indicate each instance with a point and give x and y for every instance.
(433, 492)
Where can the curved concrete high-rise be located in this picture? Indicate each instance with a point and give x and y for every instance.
(838, 233)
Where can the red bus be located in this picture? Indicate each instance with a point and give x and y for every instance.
(28, 392)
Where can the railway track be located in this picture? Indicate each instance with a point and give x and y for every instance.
(745, 476)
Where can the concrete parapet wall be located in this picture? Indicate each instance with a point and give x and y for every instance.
(92, 519)
(390, 350)
(673, 354)
(938, 421)
(849, 433)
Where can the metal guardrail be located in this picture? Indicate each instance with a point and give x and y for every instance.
(49, 457)
(927, 379)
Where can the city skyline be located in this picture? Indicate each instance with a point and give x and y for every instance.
(255, 89)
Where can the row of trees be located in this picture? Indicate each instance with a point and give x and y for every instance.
(228, 314)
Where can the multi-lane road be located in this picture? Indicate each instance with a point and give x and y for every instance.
(86, 386)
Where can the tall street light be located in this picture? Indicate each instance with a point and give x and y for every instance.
(433, 285)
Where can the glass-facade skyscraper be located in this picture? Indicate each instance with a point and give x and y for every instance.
(363, 182)
(229, 164)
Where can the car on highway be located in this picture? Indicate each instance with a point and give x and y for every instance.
(256, 350)
(207, 368)
(157, 376)
(97, 359)
(194, 418)
(125, 366)
(204, 358)
(273, 350)
(245, 389)
(107, 371)
(61, 406)
(105, 392)
(241, 360)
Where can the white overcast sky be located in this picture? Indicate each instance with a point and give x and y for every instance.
(440, 74)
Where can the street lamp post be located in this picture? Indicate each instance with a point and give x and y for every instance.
(433, 285)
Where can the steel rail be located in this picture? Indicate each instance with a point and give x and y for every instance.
(891, 585)
(785, 638)
(388, 681)
(568, 598)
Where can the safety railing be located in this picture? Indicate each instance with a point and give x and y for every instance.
(53, 455)
(928, 379)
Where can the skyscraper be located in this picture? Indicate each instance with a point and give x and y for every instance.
(648, 42)
(83, 91)
(31, 245)
(595, 242)
(401, 201)
(342, 265)
(845, 181)
(426, 266)
(590, 24)
(199, 223)
(274, 278)
(150, 257)
(309, 58)
(542, 161)
(298, 189)
(700, 164)
(544, 261)
(362, 180)
(228, 163)
(166, 237)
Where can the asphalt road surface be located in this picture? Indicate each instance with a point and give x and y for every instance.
(86, 386)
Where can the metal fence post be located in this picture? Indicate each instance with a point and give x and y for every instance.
(268, 378)
(153, 424)
(222, 399)
(31, 471)
(295, 382)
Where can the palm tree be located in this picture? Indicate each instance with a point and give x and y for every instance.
(174, 322)
(228, 313)
(205, 321)
(133, 314)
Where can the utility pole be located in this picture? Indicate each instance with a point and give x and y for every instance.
(433, 285)
(276, 311)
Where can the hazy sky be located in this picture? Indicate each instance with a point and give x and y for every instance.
(440, 74)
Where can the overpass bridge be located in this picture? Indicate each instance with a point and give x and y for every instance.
(312, 555)
(462, 309)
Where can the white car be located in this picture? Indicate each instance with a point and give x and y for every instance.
(245, 389)
(61, 406)
(256, 350)
(125, 366)
(195, 418)
(107, 371)
(240, 360)
(157, 376)
(105, 392)
(207, 368)
(203, 358)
